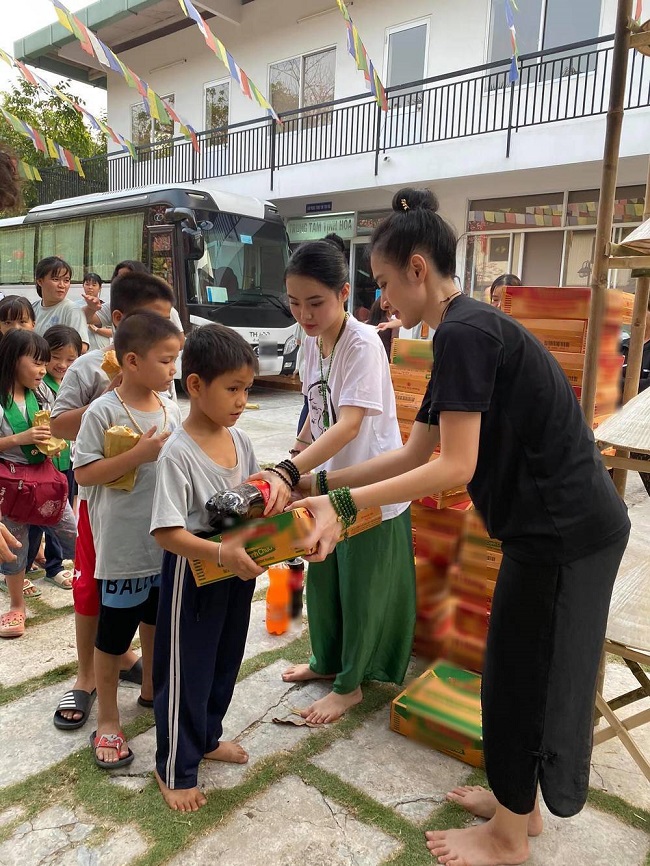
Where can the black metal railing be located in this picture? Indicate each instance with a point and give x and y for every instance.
(566, 83)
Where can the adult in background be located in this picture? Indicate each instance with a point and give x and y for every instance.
(52, 276)
(97, 313)
(510, 428)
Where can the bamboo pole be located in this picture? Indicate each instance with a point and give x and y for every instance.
(606, 204)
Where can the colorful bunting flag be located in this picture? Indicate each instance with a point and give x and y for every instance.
(236, 72)
(156, 107)
(27, 171)
(45, 145)
(638, 11)
(97, 123)
(513, 73)
(364, 64)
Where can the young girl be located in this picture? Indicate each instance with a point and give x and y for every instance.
(53, 307)
(510, 427)
(16, 313)
(96, 311)
(65, 348)
(361, 599)
(23, 359)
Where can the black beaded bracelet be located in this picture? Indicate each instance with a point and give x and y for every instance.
(280, 475)
(291, 469)
(321, 482)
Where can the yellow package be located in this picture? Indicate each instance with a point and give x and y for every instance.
(110, 364)
(53, 445)
(119, 440)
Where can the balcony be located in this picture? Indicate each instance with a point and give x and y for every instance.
(565, 84)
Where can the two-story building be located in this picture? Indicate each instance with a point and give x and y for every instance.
(516, 166)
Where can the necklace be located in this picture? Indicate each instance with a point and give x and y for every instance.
(447, 302)
(132, 419)
(325, 379)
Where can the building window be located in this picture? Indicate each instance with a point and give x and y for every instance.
(147, 130)
(543, 24)
(407, 57)
(303, 81)
(217, 104)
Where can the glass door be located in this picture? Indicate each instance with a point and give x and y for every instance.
(364, 288)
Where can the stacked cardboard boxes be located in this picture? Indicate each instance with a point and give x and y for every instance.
(559, 318)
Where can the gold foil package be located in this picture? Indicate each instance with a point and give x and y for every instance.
(118, 440)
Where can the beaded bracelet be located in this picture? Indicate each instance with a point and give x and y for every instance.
(343, 504)
(321, 482)
(291, 469)
(280, 475)
(302, 441)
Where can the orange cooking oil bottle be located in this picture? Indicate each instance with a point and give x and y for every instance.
(278, 599)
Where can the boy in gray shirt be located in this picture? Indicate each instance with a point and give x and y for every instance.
(120, 494)
(201, 632)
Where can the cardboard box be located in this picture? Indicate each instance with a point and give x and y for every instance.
(405, 428)
(472, 583)
(277, 539)
(410, 381)
(477, 554)
(442, 709)
(434, 546)
(524, 302)
(408, 405)
(559, 335)
(412, 354)
(609, 367)
(450, 520)
(466, 651)
(471, 619)
(446, 498)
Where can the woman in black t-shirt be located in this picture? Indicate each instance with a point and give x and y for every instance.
(509, 427)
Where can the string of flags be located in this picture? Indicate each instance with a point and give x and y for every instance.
(97, 123)
(248, 87)
(50, 148)
(155, 105)
(638, 12)
(27, 171)
(358, 52)
(511, 8)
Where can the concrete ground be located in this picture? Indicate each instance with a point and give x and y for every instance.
(355, 794)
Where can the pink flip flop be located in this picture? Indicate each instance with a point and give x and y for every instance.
(12, 624)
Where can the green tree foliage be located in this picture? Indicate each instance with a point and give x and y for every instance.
(53, 118)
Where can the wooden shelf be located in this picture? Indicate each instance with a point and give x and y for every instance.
(619, 263)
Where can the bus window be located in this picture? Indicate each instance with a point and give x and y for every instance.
(162, 257)
(113, 239)
(17, 255)
(66, 240)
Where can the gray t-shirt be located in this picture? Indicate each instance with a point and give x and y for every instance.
(97, 341)
(83, 382)
(119, 519)
(66, 312)
(186, 478)
(15, 454)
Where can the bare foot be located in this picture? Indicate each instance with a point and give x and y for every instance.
(331, 707)
(480, 802)
(474, 846)
(302, 673)
(181, 799)
(228, 752)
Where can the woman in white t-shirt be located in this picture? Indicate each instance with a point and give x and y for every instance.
(361, 599)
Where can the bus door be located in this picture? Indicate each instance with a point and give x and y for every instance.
(164, 262)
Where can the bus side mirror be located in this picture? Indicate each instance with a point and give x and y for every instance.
(193, 242)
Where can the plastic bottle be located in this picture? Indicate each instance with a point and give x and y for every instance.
(231, 508)
(278, 599)
(296, 585)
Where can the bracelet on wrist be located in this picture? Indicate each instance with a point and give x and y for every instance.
(344, 505)
(281, 475)
(302, 441)
(291, 469)
(321, 482)
(294, 452)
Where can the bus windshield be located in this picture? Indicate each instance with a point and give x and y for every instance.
(244, 262)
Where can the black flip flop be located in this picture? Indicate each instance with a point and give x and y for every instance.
(143, 702)
(133, 674)
(77, 701)
(110, 765)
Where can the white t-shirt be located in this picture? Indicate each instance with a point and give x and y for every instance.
(66, 312)
(119, 519)
(187, 478)
(360, 377)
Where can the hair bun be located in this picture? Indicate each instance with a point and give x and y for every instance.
(335, 241)
(409, 198)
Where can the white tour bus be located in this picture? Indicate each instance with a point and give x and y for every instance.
(224, 255)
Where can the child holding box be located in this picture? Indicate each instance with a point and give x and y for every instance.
(201, 632)
(128, 561)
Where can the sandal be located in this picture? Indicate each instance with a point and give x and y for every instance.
(110, 741)
(29, 590)
(62, 579)
(143, 702)
(133, 674)
(78, 701)
(12, 624)
(36, 571)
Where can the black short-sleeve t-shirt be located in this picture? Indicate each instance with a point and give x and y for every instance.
(540, 483)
